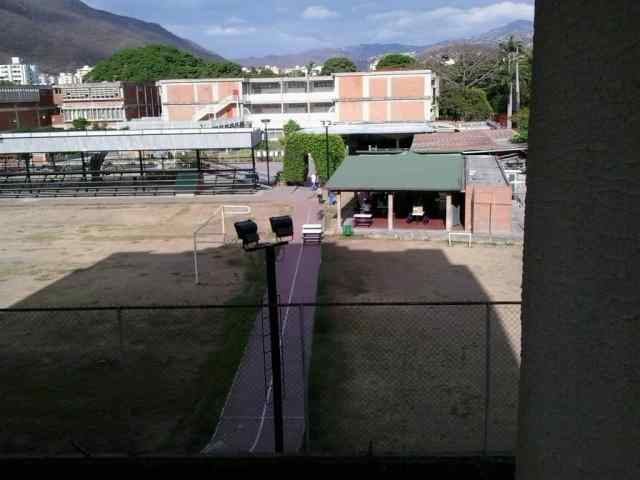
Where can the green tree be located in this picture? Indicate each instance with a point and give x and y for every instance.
(157, 62)
(291, 127)
(81, 123)
(522, 123)
(338, 65)
(397, 61)
(465, 104)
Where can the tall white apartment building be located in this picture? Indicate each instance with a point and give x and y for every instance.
(19, 73)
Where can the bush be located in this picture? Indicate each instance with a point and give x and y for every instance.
(522, 123)
(299, 144)
(465, 104)
(291, 127)
(81, 123)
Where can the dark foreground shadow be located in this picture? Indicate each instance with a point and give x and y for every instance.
(411, 379)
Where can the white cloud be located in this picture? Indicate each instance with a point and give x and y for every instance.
(229, 30)
(318, 12)
(235, 21)
(450, 22)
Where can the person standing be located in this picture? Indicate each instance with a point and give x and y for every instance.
(314, 181)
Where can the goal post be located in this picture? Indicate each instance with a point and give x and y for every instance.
(202, 237)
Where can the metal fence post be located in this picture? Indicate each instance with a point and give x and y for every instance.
(487, 377)
(123, 368)
(305, 389)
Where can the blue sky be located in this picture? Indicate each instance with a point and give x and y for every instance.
(243, 28)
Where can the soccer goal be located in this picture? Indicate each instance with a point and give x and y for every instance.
(208, 233)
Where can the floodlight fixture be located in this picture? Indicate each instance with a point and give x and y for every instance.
(282, 226)
(247, 231)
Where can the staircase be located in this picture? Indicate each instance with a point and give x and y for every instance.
(214, 108)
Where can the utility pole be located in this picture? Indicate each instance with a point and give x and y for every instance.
(266, 121)
(510, 106)
(516, 107)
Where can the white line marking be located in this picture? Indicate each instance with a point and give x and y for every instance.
(284, 327)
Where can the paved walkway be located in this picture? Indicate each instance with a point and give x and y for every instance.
(246, 423)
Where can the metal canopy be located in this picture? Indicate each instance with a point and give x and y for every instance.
(403, 172)
(128, 140)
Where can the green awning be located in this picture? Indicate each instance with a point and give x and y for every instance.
(403, 172)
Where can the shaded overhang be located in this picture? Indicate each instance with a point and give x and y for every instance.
(129, 140)
(402, 172)
(374, 128)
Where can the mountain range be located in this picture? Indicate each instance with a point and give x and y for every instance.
(62, 35)
(362, 55)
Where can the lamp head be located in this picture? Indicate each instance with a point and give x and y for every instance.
(248, 232)
(282, 227)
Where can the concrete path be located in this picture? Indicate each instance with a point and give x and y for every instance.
(246, 423)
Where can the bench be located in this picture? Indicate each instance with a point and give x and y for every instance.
(466, 236)
(311, 233)
(362, 220)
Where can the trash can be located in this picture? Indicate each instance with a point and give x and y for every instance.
(347, 229)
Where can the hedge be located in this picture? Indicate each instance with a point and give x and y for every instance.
(300, 144)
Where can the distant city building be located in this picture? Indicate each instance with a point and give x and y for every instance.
(108, 102)
(44, 79)
(65, 78)
(273, 68)
(26, 107)
(378, 97)
(303, 70)
(19, 73)
(76, 78)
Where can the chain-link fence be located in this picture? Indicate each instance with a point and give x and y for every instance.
(406, 379)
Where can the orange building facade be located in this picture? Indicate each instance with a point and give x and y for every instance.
(376, 97)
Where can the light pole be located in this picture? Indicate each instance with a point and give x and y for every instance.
(266, 137)
(248, 232)
(326, 124)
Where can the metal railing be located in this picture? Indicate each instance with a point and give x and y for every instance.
(75, 182)
(379, 378)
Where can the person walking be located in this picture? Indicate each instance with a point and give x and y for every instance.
(314, 181)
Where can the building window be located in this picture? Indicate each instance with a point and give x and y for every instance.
(323, 86)
(296, 108)
(258, 88)
(321, 107)
(266, 108)
(296, 87)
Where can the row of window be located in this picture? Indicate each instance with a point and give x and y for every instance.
(93, 114)
(11, 94)
(292, 87)
(275, 108)
(93, 92)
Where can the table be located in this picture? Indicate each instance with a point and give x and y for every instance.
(363, 220)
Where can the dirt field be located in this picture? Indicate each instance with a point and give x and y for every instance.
(411, 379)
(143, 381)
(99, 253)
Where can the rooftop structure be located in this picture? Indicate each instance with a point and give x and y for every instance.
(109, 103)
(26, 106)
(444, 192)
